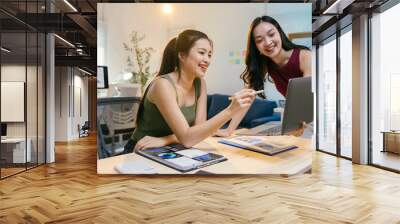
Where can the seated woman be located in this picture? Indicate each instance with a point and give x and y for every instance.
(173, 107)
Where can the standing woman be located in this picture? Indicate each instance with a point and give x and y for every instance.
(174, 106)
(271, 56)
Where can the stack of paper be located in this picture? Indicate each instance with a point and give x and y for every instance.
(134, 167)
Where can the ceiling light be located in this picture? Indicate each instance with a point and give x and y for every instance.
(337, 7)
(65, 41)
(5, 50)
(84, 71)
(70, 5)
(167, 8)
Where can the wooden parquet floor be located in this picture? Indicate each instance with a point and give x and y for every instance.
(70, 191)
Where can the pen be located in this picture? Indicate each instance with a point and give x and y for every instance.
(257, 92)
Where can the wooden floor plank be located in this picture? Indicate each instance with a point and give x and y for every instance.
(70, 191)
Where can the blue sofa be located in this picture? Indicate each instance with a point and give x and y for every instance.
(260, 112)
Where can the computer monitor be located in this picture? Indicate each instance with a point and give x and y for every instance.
(102, 77)
(3, 129)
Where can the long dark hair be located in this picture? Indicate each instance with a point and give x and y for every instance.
(258, 65)
(170, 60)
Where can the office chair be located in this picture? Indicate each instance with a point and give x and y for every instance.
(84, 130)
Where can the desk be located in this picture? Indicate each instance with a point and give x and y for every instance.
(13, 150)
(239, 161)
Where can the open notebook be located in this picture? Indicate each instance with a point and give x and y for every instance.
(258, 144)
(180, 158)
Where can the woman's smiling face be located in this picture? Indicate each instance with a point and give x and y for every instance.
(267, 39)
(198, 58)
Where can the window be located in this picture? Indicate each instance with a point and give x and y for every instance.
(327, 95)
(346, 92)
(385, 85)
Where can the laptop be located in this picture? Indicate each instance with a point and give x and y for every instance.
(298, 108)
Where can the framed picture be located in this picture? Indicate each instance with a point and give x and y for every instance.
(102, 77)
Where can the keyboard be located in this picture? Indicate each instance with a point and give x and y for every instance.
(270, 130)
(274, 130)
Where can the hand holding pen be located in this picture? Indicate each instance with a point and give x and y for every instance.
(242, 99)
(255, 93)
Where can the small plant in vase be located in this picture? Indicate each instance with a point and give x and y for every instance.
(138, 60)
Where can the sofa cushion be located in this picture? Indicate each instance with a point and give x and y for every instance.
(263, 120)
(217, 103)
(260, 108)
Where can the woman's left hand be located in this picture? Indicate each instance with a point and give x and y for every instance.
(223, 133)
(150, 142)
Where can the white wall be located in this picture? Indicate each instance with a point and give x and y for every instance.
(226, 24)
(119, 20)
(16, 73)
(79, 117)
(69, 82)
(61, 103)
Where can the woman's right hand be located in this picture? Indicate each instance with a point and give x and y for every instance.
(150, 142)
(242, 99)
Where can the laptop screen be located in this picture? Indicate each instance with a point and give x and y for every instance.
(299, 105)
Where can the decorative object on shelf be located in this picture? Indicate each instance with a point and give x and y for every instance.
(138, 60)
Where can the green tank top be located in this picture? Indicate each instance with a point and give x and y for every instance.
(152, 123)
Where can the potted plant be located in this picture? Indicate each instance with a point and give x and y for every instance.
(138, 60)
